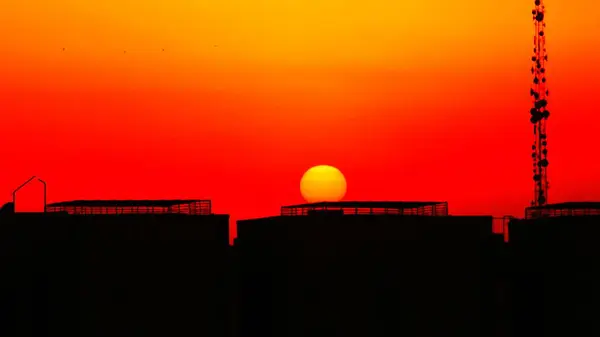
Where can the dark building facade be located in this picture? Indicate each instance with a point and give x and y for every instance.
(369, 269)
(116, 268)
(556, 276)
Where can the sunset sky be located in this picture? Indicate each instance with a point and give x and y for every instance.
(411, 100)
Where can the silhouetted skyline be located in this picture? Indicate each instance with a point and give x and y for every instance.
(133, 267)
(410, 100)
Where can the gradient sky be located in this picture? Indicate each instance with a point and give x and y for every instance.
(409, 99)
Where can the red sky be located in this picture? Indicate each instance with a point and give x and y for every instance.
(411, 100)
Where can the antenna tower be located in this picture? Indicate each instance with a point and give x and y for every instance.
(539, 113)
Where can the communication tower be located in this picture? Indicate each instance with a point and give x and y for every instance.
(539, 112)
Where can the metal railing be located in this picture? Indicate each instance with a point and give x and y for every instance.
(440, 209)
(202, 207)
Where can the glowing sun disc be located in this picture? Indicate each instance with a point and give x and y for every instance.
(323, 183)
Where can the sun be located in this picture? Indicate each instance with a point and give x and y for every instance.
(323, 183)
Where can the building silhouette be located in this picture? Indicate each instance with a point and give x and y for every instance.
(115, 268)
(369, 269)
(556, 275)
(165, 268)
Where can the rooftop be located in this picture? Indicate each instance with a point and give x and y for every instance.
(369, 204)
(421, 208)
(578, 208)
(571, 205)
(124, 203)
(173, 206)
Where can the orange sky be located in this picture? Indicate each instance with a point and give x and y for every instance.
(409, 99)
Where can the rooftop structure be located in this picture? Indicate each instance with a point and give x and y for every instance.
(563, 209)
(376, 273)
(192, 206)
(553, 270)
(420, 208)
(172, 268)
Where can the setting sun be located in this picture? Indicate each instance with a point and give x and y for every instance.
(323, 183)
